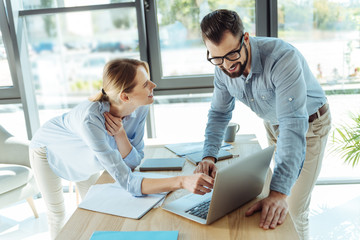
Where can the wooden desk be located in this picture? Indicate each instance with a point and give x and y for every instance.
(235, 225)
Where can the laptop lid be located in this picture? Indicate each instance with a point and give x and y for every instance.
(235, 184)
(239, 183)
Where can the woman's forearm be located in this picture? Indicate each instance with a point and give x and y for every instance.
(158, 185)
(115, 128)
(196, 183)
(123, 144)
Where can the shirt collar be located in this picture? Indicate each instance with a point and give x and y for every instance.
(106, 107)
(132, 115)
(256, 66)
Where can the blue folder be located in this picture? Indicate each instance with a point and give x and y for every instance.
(135, 235)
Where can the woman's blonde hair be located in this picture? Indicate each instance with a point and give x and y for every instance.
(118, 77)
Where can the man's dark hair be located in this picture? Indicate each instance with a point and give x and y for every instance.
(214, 24)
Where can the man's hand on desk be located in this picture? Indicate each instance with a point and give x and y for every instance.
(207, 166)
(197, 183)
(274, 209)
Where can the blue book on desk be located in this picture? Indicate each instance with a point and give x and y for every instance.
(162, 164)
(135, 235)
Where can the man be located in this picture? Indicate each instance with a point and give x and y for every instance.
(273, 79)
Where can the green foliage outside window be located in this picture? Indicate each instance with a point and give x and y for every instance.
(297, 16)
(81, 86)
(188, 12)
(324, 14)
(49, 20)
(346, 141)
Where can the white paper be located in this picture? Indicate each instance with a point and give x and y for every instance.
(112, 199)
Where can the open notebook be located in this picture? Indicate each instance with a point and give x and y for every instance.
(182, 149)
(112, 199)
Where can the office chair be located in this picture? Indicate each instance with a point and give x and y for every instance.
(16, 177)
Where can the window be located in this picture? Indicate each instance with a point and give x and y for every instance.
(12, 119)
(9, 85)
(327, 32)
(178, 57)
(181, 46)
(5, 76)
(31, 4)
(68, 51)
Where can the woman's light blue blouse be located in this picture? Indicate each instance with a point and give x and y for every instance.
(79, 146)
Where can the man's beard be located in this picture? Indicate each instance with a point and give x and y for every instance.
(242, 67)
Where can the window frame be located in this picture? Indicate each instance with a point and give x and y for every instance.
(14, 35)
(16, 47)
(8, 94)
(264, 10)
(13, 28)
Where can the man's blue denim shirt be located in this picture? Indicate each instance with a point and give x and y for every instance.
(281, 89)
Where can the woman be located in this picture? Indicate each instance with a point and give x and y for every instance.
(105, 132)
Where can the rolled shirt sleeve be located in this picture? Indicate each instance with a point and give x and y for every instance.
(96, 138)
(133, 159)
(290, 89)
(220, 113)
(136, 138)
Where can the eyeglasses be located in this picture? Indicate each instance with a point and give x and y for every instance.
(231, 56)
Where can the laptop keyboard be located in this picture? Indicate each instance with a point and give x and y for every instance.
(200, 210)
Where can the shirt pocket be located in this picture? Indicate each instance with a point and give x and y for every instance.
(238, 94)
(266, 99)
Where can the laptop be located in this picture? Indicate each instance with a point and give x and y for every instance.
(235, 185)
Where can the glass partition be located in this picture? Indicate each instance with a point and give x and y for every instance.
(39, 4)
(327, 33)
(181, 46)
(68, 52)
(5, 76)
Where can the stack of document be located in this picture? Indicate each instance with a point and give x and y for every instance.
(182, 149)
(193, 151)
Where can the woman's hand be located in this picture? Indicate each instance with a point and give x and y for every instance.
(113, 124)
(197, 183)
(115, 128)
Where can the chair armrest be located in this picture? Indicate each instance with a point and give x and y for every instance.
(15, 151)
